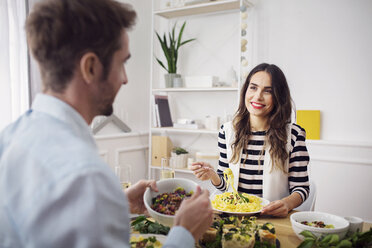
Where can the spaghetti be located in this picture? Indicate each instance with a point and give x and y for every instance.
(234, 201)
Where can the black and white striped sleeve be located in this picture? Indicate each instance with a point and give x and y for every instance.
(298, 161)
(222, 162)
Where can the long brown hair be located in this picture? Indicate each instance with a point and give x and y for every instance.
(279, 117)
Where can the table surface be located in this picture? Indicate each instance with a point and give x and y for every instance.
(284, 232)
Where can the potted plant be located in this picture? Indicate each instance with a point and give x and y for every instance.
(170, 48)
(179, 157)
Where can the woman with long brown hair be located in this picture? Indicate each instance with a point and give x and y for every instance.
(265, 151)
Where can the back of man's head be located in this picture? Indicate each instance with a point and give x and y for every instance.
(60, 32)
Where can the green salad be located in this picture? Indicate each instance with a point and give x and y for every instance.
(358, 239)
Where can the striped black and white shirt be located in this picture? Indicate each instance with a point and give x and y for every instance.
(251, 169)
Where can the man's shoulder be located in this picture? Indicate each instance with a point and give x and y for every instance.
(34, 125)
(39, 132)
(47, 145)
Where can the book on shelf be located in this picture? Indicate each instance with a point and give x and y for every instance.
(153, 110)
(155, 113)
(163, 111)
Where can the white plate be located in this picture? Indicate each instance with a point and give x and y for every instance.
(159, 237)
(264, 202)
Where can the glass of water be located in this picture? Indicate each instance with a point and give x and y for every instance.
(124, 173)
(167, 169)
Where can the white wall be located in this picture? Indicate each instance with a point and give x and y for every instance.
(324, 49)
(132, 101)
(342, 174)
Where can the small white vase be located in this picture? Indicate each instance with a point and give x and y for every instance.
(178, 161)
(169, 79)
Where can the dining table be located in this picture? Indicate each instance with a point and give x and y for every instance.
(285, 233)
(283, 229)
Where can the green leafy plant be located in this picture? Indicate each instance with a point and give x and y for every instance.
(358, 239)
(144, 225)
(170, 48)
(179, 150)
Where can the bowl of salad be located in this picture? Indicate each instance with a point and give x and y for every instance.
(163, 205)
(319, 224)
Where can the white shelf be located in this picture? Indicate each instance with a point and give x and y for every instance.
(187, 171)
(194, 89)
(180, 130)
(120, 135)
(197, 9)
(193, 100)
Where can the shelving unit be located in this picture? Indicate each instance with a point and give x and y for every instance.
(214, 52)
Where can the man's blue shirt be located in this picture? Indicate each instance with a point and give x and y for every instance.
(55, 190)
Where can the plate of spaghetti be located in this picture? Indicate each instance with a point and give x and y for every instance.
(236, 203)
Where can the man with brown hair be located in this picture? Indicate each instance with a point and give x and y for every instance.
(55, 191)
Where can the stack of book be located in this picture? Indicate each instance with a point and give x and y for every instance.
(161, 112)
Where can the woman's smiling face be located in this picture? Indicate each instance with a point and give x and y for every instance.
(258, 97)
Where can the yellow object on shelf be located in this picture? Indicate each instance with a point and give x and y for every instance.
(310, 121)
(161, 147)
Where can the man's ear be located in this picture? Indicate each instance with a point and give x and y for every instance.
(90, 67)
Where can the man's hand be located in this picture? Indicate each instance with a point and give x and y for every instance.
(195, 214)
(135, 195)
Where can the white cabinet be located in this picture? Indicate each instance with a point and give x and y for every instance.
(223, 44)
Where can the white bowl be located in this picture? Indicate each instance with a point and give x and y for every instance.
(341, 225)
(166, 186)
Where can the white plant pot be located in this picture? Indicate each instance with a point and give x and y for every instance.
(178, 161)
(169, 79)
